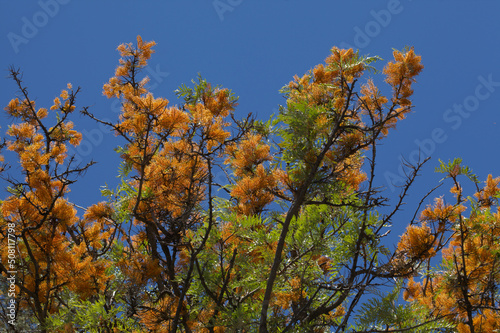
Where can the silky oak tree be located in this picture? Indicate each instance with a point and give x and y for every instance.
(230, 224)
(464, 287)
(55, 251)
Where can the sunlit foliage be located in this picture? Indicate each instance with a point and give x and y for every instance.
(290, 239)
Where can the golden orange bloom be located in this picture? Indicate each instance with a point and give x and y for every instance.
(417, 242)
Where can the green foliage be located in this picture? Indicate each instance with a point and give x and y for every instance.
(93, 316)
(251, 235)
(454, 168)
(267, 129)
(358, 59)
(387, 312)
(195, 95)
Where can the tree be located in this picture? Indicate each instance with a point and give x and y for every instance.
(292, 241)
(54, 248)
(464, 287)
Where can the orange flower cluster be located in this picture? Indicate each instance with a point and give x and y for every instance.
(417, 242)
(175, 179)
(442, 213)
(372, 100)
(30, 144)
(133, 59)
(342, 63)
(211, 117)
(255, 185)
(328, 82)
(400, 74)
(346, 165)
(154, 322)
(295, 292)
(489, 194)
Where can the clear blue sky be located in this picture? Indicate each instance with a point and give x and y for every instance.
(254, 48)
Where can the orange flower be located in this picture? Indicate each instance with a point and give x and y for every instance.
(417, 242)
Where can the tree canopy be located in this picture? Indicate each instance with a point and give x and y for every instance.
(292, 240)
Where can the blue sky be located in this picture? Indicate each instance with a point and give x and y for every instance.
(254, 48)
